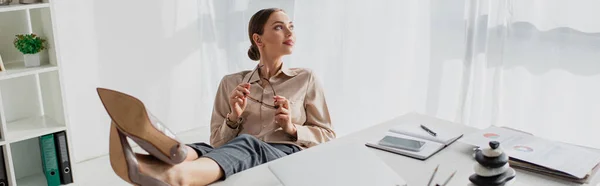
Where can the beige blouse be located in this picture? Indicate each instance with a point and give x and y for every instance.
(308, 109)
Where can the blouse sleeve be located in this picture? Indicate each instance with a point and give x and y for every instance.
(317, 128)
(220, 132)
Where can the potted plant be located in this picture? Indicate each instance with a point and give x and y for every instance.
(30, 45)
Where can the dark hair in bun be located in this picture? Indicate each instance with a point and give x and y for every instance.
(256, 25)
(253, 53)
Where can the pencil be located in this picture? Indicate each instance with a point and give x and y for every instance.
(448, 180)
(433, 175)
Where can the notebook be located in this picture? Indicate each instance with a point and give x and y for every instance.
(335, 164)
(445, 135)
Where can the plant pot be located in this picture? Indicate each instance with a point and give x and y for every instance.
(32, 60)
(29, 1)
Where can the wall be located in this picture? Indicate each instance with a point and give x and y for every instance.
(148, 49)
(169, 54)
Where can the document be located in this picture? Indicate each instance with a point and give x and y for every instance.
(570, 159)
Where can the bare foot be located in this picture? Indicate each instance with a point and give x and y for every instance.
(155, 168)
(202, 171)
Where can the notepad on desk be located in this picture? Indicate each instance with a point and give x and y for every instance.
(442, 136)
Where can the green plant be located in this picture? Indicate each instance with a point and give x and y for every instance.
(29, 43)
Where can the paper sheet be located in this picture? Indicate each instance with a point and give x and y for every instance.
(570, 159)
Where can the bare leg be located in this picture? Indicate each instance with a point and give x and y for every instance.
(202, 171)
(191, 155)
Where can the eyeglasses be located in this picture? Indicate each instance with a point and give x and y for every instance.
(259, 101)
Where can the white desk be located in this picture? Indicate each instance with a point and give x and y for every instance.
(457, 156)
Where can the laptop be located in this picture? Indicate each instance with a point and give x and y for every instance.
(335, 164)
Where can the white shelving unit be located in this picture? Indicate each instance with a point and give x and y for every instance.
(31, 99)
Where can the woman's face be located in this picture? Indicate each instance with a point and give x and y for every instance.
(278, 36)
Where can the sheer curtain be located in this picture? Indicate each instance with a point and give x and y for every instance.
(379, 59)
(532, 65)
(364, 53)
(224, 43)
(374, 57)
(523, 64)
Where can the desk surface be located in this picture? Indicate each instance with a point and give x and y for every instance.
(456, 157)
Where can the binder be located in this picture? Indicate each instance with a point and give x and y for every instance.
(49, 159)
(64, 163)
(3, 175)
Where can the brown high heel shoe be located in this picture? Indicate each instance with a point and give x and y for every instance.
(132, 119)
(124, 163)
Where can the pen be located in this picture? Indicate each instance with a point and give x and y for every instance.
(428, 130)
(433, 175)
(448, 180)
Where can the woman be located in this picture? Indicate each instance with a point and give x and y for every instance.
(259, 115)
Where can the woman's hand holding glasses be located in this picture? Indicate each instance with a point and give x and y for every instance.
(237, 100)
(283, 115)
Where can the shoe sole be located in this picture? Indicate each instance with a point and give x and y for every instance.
(117, 156)
(131, 117)
(124, 163)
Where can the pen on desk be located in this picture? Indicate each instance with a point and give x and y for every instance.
(428, 130)
(433, 175)
(448, 180)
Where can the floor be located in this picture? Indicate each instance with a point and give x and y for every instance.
(98, 172)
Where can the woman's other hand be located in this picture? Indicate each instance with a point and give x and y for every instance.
(283, 116)
(237, 100)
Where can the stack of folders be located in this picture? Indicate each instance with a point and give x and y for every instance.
(434, 136)
(55, 159)
(527, 152)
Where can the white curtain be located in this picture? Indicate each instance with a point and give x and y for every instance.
(364, 53)
(524, 64)
(374, 57)
(533, 65)
(224, 42)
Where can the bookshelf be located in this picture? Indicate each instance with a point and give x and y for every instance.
(31, 98)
